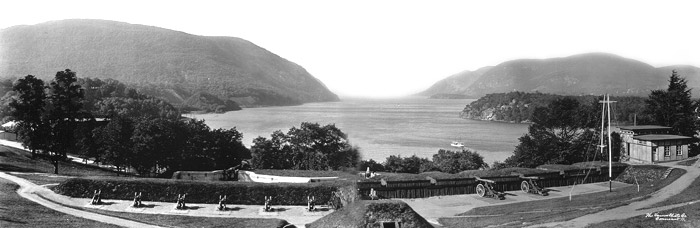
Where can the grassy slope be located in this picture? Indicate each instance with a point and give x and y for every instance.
(691, 193)
(16, 211)
(25, 213)
(192, 221)
(561, 209)
(15, 160)
(691, 211)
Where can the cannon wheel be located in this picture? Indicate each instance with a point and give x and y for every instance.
(525, 187)
(480, 190)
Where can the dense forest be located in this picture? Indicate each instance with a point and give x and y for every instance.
(110, 122)
(113, 123)
(519, 106)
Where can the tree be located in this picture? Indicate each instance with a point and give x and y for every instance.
(136, 108)
(155, 145)
(455, 162)
(561, 133)
(226, 148)
(413, 164)
(114, 140)
(309, 147)
(273, 153)
(673, 107)
(28, 110)
(313, 144)
(65, 109)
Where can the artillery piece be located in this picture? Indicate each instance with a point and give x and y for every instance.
(529, 185)
(485, 189)
(222, 203)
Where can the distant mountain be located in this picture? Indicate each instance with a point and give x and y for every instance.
(455, 84)
(172, 64)
(585, 74)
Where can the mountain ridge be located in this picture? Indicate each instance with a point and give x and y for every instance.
(582, 74)
(230, 68)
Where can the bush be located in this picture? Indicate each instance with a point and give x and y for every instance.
(457, 161)
(642, 174)
(165, 190)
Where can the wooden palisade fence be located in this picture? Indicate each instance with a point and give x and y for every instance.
(460, 186)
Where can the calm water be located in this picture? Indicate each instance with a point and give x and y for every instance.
(383, 127)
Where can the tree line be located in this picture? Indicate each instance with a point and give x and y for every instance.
(447, 161)
(137, 131)
(564, 131)
(521, 106)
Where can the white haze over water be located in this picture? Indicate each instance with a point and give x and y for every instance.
(383, 127)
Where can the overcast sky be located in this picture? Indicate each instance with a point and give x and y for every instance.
(394, 48)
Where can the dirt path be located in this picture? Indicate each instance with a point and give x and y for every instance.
(297, 215)
(29, 191)
(632, 209)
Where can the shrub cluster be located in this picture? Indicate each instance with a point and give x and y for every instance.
(642, 173)
(165, 190)
(445, 161)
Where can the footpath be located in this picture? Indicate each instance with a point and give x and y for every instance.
(37, 194)
(296, 215)
(633, 209)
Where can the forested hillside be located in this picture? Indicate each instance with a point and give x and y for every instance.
(164, 63)
(584, 74)
(520, 106)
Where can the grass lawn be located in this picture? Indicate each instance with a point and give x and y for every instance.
(16, 211)
(691, 211)
(192, 221)
(691, 193)
(16, 160)
(560, 209)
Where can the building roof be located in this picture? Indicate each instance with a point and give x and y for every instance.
(645, 127)
(9, 124)
(654, 137)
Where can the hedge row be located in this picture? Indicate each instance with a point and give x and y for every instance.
(166, 190)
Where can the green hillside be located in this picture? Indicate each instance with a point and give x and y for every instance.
(171, 64)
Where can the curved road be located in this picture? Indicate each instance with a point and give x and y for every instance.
(28, 190)
(632, 209)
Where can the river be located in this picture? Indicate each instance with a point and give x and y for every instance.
(383, 127)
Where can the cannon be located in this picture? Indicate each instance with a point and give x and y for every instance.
(485, 189)
(222, 203)
(96, 197)
(311, 205)
(181, 202)
(529, 185)
(137, 200)
(267, 207)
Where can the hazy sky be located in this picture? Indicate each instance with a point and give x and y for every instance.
(394, 48)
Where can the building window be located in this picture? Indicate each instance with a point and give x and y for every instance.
(679, 150)
(667, 151)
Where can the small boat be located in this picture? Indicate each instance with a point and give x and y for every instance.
(457, 144)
